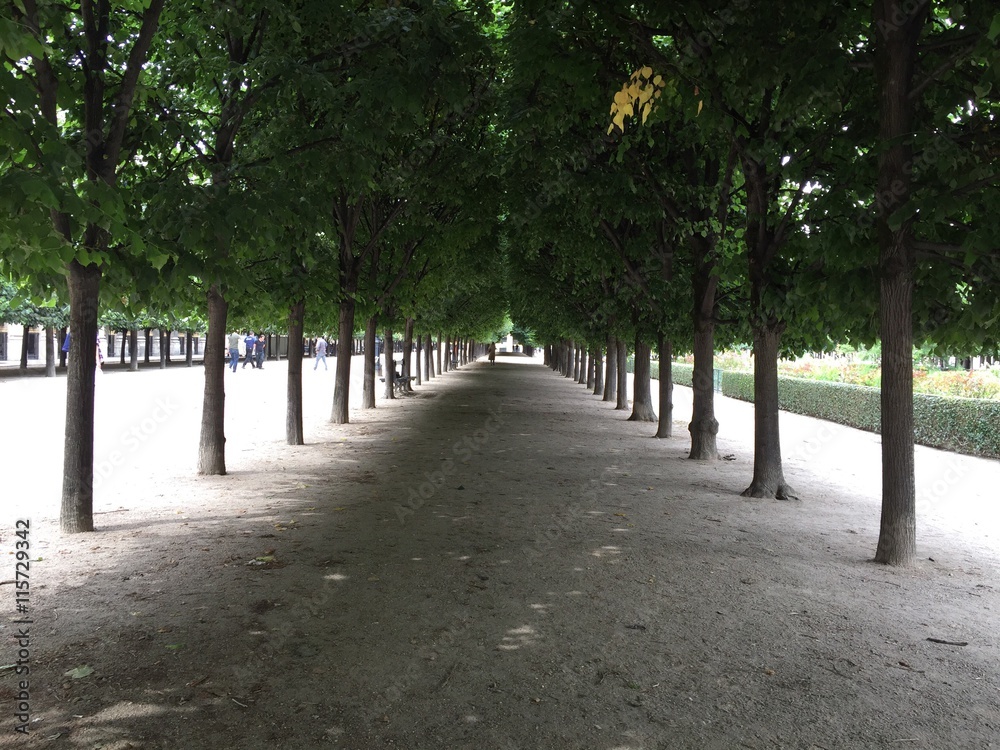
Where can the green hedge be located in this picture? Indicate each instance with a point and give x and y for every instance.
(964, 425)
(681, 372)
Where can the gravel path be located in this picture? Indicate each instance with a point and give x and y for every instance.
(499, 561)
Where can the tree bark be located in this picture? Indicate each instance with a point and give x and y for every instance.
(642, 395)
(611, 371)
(25, 340)
(895, 61)
(585, 365)
(704, 427)
(440, 355)
(591, 357)
(665, 427)
(133, 350)
(622, 403)
(164, 337)
(294, 433)
(408, 353)
(124, 347)
(50, 352)
(573, 368)
(598, 371)
(418, 369)
(390, 364)
(342, 378)
(768, 477)
(212, 443)
(188, 349)
(77, 509)
(429, 359)
(368, 382)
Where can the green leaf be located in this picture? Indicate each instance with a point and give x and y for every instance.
(994, 31)
(80, 672)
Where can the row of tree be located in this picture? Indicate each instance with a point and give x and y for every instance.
(309, 164)
(787, 176)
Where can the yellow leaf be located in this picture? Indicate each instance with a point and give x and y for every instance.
(645, 94)
(647, 72)
(645, 113)
(658, 81)
(700, 104)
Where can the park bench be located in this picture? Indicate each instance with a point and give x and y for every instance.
(398, 381)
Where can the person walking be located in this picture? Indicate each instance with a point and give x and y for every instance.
(234, 350)
(493, 353)
(320, 353)
(258, 350)
(249, 342)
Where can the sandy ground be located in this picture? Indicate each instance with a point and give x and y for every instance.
(499, 561)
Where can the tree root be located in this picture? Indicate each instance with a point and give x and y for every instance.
(764, 489)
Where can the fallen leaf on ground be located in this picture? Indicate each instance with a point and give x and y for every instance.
(80, 672)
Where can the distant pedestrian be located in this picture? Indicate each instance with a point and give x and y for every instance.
(493, 353)
(234, 350)
(320, 353)
(249, 342)
(258, 350)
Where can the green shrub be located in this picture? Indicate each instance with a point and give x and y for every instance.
(963, 425)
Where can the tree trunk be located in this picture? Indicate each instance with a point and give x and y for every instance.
(111, 345)
(25, 341)
(622, 402)
(642, 396)
(440, 354)
(77, 510)
(611, 371)
(768, 477)
(598, 371)
(164, 338)
(408, 352)
(294, 433)
(665, 428)
(124, 348)
(390, 364)
(148, 335)
(573, 367)
(429, 359)
(342, 378)
(212, 444)
(368, 383)
(133, 350)
(50, 352)
(895, 60)
(188, 349)
(419, 359)
(591, 357)
(703, 427)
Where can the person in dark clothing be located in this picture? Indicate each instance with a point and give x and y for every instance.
(258, 350)
(249, 342)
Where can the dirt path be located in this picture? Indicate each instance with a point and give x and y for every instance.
(500, 561)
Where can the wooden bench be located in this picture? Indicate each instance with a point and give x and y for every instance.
(398, 381)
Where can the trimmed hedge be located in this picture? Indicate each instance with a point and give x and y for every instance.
(963, 425)
(681, 372)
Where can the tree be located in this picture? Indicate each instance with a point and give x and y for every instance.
(85, 63)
